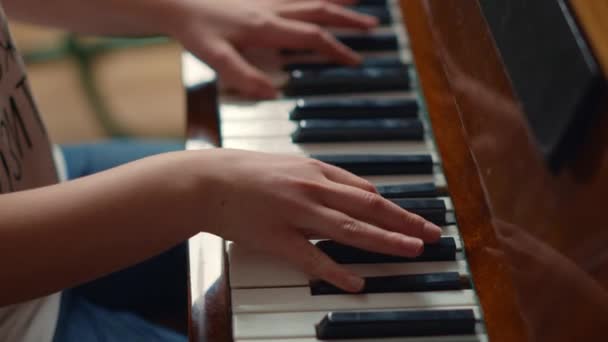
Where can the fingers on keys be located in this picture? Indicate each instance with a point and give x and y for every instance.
(297, 35)
(328, 14)
(359, 198)
(353, 213)
(338, 175)
(338, 226)
(311, 260)
(373, 208)
(236, 71)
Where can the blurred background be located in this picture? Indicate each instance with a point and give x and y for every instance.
(89, 88)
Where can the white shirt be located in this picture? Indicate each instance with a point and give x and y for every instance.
(33, 321)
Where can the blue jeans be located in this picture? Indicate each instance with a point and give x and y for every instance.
(111, 308)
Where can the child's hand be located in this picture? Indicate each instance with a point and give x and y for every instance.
(275, 203)
(216, 31)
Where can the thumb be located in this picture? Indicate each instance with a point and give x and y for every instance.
(308, 258)
(233, 70)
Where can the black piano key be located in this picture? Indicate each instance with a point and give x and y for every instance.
(362, 42)
(346, 80)
(420, 203)
(408, 190)
(377, 324)
(443, 281)
(369, 62)
(324, 130)
(431, 209)
(370, 41)
(366, 165)
(377, 3)
(443, 250)
(381, 13)
(354, 109)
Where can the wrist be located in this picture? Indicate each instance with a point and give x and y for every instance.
(171, 184)
(198, 187)
(176, 17)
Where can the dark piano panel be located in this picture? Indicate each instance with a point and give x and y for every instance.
(552, 69)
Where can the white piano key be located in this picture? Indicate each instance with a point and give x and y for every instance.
(195, 72)
(437, 177)
(293, 324)
(449, 205)
(452, 230)
(278, 109)
(257, 128)
(400, 30)
(375, 30)
(447, 202)
(251, 269)
(261, 271)
(400, 179)
(198, 144)
(284, 145)
(297, 299)
(440, 181)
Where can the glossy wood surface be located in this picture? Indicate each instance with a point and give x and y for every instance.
(490, 277)
(536, 242)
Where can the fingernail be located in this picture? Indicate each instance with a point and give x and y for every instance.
(416, 244)
(431, 232)
(356, 283)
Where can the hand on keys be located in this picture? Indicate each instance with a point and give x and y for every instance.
(217, 32)
(274, 204)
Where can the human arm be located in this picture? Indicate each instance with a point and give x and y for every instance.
(214, 30)
(60, 236)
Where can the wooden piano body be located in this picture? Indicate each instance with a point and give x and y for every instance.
(535, 240)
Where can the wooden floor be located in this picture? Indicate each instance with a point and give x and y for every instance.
(141, 87)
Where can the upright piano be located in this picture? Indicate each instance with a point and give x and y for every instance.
(488, 117)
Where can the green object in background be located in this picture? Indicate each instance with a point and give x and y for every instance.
(85, 53)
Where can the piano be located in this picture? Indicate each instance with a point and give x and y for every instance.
(486, 117)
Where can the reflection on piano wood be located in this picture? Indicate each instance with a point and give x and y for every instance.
(527, 257)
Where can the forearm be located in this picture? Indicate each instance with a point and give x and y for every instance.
(105, 17)
(60, 236)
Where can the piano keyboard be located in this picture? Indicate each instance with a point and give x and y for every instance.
(367, 120)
